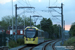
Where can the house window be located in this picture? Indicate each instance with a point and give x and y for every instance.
(21, 31)
(11, 32)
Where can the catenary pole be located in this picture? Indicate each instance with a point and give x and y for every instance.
(40, 24)
(30, 20)
(62, 22)
(15, 22)
(24, 23)
(16, 18)
(12, 16)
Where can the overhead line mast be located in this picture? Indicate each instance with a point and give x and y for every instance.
(61, 19)
(16, 18)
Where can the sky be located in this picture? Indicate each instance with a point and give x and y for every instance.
(68, 10)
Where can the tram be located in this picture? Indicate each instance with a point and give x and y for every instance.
(33, 35)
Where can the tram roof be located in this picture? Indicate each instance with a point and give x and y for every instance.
(33, 27)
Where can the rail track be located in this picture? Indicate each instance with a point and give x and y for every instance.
(53, 46)
(39, 44)
(44, 48)
(32, 46)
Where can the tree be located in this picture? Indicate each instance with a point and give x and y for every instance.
(46, 25)
(56, 31)
(72, 30)
(38, 26)
(7, 21)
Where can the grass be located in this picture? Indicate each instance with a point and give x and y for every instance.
(13, 44)
(70, 42)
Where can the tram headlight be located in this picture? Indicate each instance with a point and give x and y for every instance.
(26, 39)
(33, 39)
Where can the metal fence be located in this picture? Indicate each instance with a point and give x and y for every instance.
(2, 39)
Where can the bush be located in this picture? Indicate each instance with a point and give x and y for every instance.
(20, 41)
(70, 42)
(13, 44)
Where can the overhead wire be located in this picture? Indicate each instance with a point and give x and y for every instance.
(56, 11)
(39, 16)
(26, 2)
(55, 2)
(20, 3)
(29, 3)
(23, 5)
(21, 13)
(23, 1)
(52, 15)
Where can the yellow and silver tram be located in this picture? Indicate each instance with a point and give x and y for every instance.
(33, 35)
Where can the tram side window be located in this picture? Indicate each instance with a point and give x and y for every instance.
(36, 33)
(42, 34)
(39, 34)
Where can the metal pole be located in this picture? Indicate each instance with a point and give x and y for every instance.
(64, 29)
(64, 25)
(24, 27)
(30, 20)
(35, 23)
(24, 22)
(40, 24)
(12, 16)
(62, 22)
(59, 31)
(16, 22)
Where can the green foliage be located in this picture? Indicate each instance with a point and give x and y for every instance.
(72, 30)
(13, 44)
(38, 26)
(19, 42)
(46, 25)
(53, 30)
(70, 42)
(56, 30)
(7, 21)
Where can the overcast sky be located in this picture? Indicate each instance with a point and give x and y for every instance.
(68, 9)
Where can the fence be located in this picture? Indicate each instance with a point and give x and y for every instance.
(2, 38)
